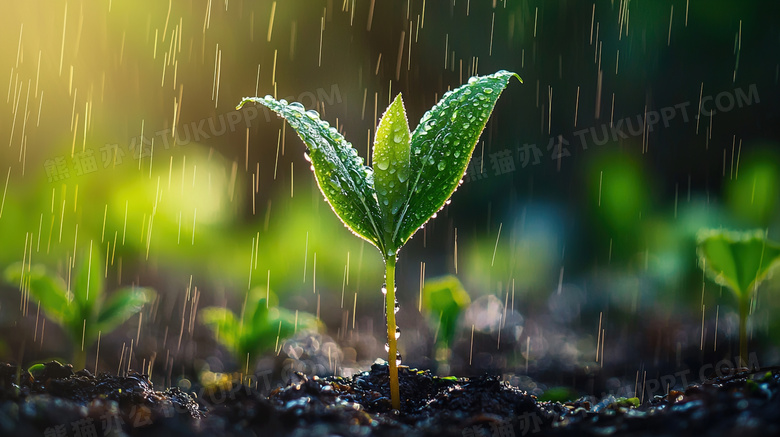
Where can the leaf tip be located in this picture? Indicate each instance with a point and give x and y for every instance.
(244, 102)
(509, 73)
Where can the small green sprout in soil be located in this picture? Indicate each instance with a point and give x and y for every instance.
(444, 299)
(259, 328)
(413, 176)
(80, 308)
(740, 261)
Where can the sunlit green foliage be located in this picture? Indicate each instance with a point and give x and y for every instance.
(753, 194)
(619, 192)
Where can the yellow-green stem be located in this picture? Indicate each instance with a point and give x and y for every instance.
(744, 311)
(395, 397)
(79, 359)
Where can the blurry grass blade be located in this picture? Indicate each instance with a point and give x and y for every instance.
(444, 299)
(47, 289)
(121, 306)
(391, 164)
(346, 183)
(739, 260)
(441, 147)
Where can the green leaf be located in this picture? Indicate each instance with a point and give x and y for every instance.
(442, 145)
(391, 165)
(277, 324)
(347, 184)
(444, 299)
(738, 260)
(36, 370)
(122, 305)
(259, 318)
(558, 394)
(225, 324)
(88, 286)
(49, 290)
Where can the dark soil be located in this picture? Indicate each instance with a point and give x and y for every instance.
(56, 402)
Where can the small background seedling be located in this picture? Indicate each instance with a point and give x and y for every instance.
(414, 173)
(444, 299)
(80, 308)
(261, 326)
(740, 261)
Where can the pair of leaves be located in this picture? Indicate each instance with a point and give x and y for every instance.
(414, 173)
(262, 326)
(738, 260)
(84, 301)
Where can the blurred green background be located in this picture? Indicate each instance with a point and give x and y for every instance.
(638, 123)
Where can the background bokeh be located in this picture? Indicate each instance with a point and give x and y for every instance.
(637, 124)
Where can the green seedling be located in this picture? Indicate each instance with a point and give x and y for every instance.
(444, 299)
(413, 176)
(259, 328)
(740, 261)
(81, 308)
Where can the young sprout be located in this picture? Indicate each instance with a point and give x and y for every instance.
(80, 308)
(444, 299)
(740, 261)
(414, 173)
(259, 328)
